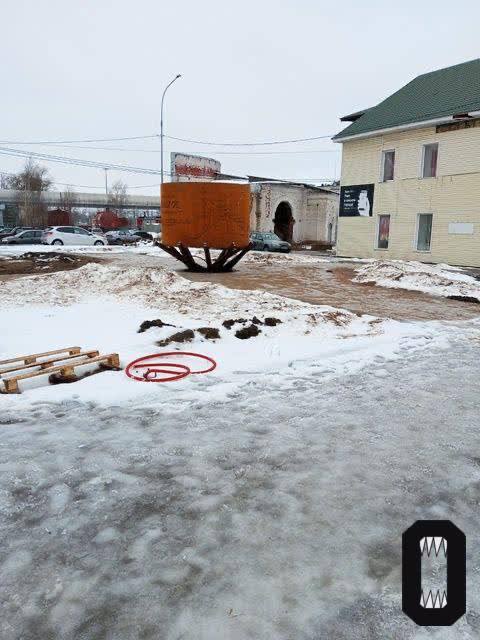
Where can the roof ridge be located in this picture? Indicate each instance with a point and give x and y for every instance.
(451, 66)
(436, 94)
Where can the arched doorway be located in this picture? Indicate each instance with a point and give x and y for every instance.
(283, 222)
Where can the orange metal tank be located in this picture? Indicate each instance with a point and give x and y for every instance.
(212, 214)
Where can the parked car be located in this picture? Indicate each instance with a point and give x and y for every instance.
(97, 231)
(121, 237)
(13, 231)
(143, 235)
(269, 242)
(31, 236)
(71, 235)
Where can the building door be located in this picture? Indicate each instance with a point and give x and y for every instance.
(283, 222)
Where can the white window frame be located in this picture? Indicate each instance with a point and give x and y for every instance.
(417, 226)
(422, 161)
(377, 230)
(382, 164)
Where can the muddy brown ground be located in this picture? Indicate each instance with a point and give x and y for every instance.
(331, 283)
(38, 263)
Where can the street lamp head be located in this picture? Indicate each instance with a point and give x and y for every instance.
(179, 75)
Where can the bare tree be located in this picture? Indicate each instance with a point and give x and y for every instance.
(4, 181)
(68, 199)
(118, 194)
(29, 184)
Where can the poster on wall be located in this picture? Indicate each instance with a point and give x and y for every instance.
(357, 200)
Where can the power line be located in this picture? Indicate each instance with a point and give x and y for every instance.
(54, 142)
(151, 136)
(217, 153)
(249, 144)
(87, 186)
(115, 167)
(76, 161)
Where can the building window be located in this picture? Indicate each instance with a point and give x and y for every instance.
(424, 231)
(430, 157)
(388, 165)
(383, 232)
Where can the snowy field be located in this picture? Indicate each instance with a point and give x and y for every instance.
(265, 500)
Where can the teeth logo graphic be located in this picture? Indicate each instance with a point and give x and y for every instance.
(430, 539)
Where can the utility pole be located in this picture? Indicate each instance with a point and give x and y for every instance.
(161, 126)
(106, 187)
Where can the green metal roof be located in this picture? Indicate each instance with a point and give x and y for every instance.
(445, 92)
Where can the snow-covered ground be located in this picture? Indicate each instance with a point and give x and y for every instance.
(438, 279)
(102, 306)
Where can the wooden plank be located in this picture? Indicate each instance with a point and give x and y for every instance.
(48, 363)
(11, 384)
(32, 357)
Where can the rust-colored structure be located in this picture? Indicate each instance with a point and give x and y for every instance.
(209, 215)
(109, 221)
(58, 218)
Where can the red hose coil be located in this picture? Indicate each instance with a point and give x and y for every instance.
(153, 368)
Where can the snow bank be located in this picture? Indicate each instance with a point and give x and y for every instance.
(438, 280)
(155, 287)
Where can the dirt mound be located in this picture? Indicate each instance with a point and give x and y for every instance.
(210, 333)
(248, 332)
(181, 336)
(268, 322)
(272, 322)
(148, 324)
(31, 263)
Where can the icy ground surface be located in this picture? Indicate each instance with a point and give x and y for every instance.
(267, 515)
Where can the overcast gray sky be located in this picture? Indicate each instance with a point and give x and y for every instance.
(252, 71)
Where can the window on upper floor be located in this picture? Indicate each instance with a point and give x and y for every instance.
(429, 160)
(388, 165)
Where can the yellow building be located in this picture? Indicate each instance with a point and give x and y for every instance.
(410, 184)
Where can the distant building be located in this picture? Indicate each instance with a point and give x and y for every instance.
(410, 185)
(298, 213)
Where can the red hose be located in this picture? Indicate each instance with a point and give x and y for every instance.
(153, 368)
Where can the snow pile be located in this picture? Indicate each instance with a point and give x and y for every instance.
(265, 258)
(149, 287)
(439, 280)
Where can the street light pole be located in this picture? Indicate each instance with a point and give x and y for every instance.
(161, 124)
